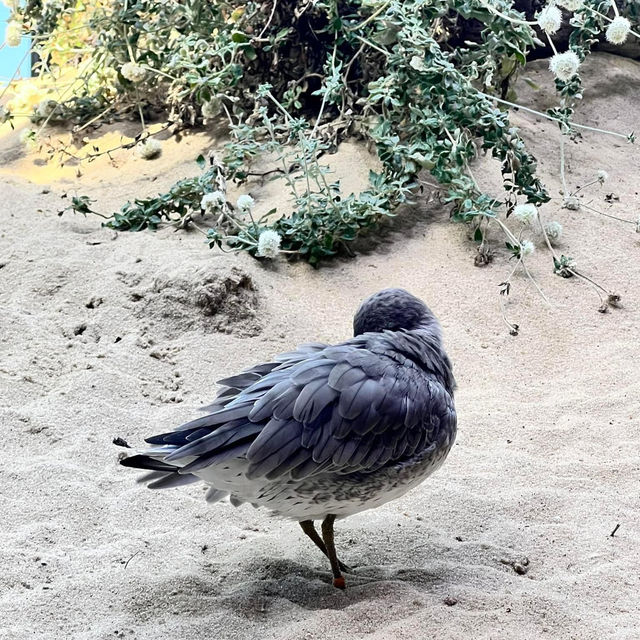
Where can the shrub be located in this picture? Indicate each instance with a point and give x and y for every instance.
(294, 78)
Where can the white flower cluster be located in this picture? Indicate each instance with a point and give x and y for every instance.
(550, 19)
(525, 213)
(602, 176)
(245, 203)
(211, 202)
(5, 114)
(133, 72)
(564, 65)
(13, 33)
(526, 248)
(553, 230)
(149, 149)
(269, 244)
(570, 5)
(618, 30)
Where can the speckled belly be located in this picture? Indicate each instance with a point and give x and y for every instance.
(342, 495)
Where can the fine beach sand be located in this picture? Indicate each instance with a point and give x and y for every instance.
(105, 335)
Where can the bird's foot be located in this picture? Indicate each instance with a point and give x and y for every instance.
(344, 568)
(339, 583)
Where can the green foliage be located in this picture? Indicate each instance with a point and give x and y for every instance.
(296, 78)
(182, 200)
(563, 266)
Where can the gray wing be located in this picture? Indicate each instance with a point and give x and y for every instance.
(339, 409)
(233, 385)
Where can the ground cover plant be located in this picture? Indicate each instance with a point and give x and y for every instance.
(426, 83)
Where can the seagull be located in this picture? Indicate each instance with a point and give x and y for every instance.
(325, 431)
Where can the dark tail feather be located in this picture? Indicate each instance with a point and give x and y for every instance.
(150, 477)
(237, 450)
(173, 480)
(181, 437)
(166, 479)
(145, 462)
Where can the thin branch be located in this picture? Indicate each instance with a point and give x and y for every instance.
(268, 24)
(16, 72)
(495, 12)
(548, 117)
(565, 191)
(608, 215)
(373, 46)
(373, 16)
(326, 93)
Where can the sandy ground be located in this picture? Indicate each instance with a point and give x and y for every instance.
(104, 335)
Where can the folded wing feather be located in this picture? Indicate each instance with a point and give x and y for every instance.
(342, 408)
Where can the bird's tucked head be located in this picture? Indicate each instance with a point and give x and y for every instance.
(393, 309)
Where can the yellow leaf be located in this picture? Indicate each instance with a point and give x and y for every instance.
(236, 15)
